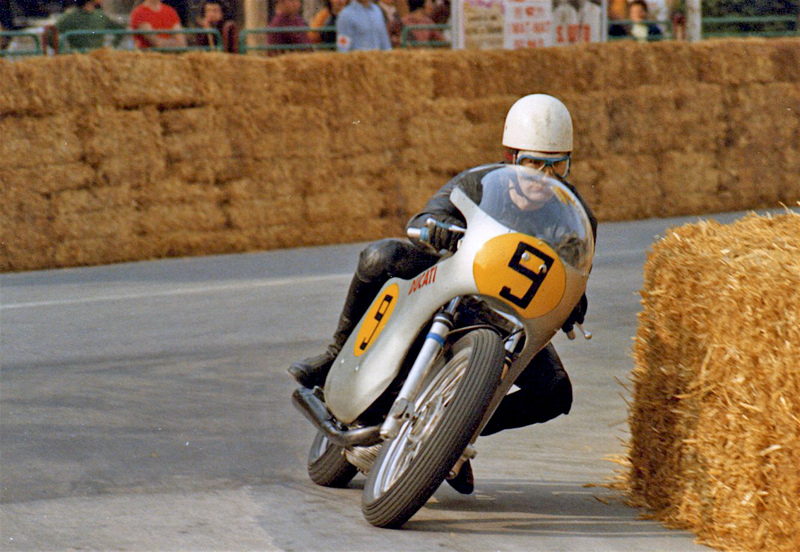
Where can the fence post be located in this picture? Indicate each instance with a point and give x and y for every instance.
(694, 20)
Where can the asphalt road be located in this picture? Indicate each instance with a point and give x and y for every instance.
(145, 406)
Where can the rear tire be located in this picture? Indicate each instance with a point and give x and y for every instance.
(452, 403)
(327, 465)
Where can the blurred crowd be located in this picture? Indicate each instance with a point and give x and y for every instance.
(320, 24)
(291, 25)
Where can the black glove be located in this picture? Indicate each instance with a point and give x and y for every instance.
(441, 238)
(577, 315)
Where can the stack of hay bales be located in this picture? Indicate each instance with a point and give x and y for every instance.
(715, 417)
(117, 156)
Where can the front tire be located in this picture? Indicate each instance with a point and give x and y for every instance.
(327, 465)
(447, 412)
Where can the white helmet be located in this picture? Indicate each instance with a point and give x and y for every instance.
(540, 123)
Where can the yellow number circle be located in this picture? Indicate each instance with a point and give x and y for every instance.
(376, 318)
(523, 271)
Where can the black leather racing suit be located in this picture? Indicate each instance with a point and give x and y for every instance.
(545, 390)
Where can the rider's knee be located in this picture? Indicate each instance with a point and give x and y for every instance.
(376, 259)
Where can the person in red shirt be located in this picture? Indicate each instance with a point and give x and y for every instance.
(155, 15)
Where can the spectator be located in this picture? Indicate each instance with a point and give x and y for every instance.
(182, 8)
(419, 14)
(394, 23)
(637, 26)
(326, 17)
(657, 11)
(617, 10)
(87, 15)
(441, 12)
(212, 16)
(361, 26)
(6, 22)
(155, 15)
(287, 14)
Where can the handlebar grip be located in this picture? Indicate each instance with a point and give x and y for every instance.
(421, 234)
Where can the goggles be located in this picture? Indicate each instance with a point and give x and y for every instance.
(560, 165)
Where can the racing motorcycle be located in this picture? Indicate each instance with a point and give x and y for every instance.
(429, 362)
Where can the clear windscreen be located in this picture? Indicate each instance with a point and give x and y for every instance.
(529, 202)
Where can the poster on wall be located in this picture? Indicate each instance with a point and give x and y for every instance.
(514, 24)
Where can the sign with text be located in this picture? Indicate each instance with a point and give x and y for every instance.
(528, 24)
(515, 24)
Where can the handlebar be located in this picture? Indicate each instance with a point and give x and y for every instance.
(423, 234)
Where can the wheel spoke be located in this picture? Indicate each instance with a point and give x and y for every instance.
(429, 410)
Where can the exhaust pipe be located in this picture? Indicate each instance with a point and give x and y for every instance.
(315, 410)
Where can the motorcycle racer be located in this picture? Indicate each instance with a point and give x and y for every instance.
(538, 133)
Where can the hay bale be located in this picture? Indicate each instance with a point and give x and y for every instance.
(44, 95)
(748, 171)
(95, 250)
(125, 146)
(21, 203)
(664, 63)
(590, 121)
(691, 184)
(175, 191)
(623, 193)
(139, 79)
(197, 147)
(761, 115)
(224, 130)
(653, 119)
(165, 219)
(26, 244)
(49, 178)
(785, 56)
(733, 62)
(36, 141)
(92, 200)
(715, 437)
(78, 227)
(259, 215)
(790, 190)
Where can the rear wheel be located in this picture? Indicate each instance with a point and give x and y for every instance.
(327, 465)
(447, 412)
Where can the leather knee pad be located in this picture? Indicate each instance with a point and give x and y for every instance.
(375, 261)
(391, 257)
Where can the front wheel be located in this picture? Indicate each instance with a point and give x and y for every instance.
(327, 464)
(447, 412)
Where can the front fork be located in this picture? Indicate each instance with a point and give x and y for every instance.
(403, 407)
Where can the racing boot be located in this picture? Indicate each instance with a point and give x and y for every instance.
(463, 482)
(312, 371)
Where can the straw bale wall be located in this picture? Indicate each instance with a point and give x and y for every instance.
(715, 416)
(119, 156)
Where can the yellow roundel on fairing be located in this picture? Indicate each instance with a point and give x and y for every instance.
(523, 271)
(376, 318)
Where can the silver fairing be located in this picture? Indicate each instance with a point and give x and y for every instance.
(355, 382)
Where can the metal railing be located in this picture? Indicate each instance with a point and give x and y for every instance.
(37, 49)
(763, 25)
(407, 42)
(64, 43)
(269, 31)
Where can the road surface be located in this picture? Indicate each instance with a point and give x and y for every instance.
(145, 406)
